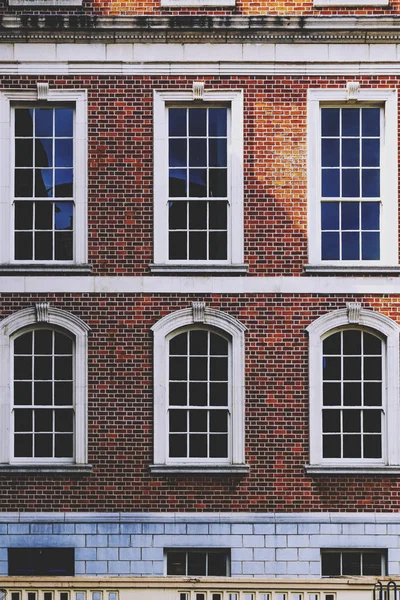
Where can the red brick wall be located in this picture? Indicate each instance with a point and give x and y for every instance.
(120, 414)
(121, 167)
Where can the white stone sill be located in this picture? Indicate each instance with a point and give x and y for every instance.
(33, 269)
(46, 469)
(360, 269)
(202, 268)
(352, 470)
(199, 469)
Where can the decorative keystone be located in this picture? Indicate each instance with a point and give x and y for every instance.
(353, 89)
(198, 309)
(198, 90)
(42, 312)
(353, 312)
(42, 90)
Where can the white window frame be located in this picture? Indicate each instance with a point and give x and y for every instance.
(234, 101)
(21, 322)
(341, 551)
(10, 99)
(387, 99)
(219, 322)
(383, 327)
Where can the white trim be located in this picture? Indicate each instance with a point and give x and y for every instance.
(387, 98)
(8, 98)
(389, 330)
(162, 331)
(235, 172)
(35, 284)
(27, 318)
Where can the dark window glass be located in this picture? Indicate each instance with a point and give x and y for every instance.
(213, 563)
(355, 562)
(41, 561)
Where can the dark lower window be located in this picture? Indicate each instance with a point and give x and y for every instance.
(41, 561)
(198, 562)
(353, 562)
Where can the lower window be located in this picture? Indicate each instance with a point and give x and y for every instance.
(353, 562)
(41, 561)
(198, 562)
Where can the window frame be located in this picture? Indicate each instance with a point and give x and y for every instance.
(388, 331)
(235, 249)
(9, 100)
(222, 551)
(228, 327)
(69, 324)
(386, 99)
(341, 551)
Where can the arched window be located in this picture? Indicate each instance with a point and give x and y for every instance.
(198, 392)
(45, 402)
(353, 391)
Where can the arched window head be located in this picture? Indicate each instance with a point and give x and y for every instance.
(353, 391)
(198, 392)
(44, 403)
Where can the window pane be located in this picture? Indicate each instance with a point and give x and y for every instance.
(330, 183)
(176, 563)
(217, 125)
(177, 121)
(371, 122)
(197, 121)
(350, 152)
(350, 121)
(177, 153)
(197, 563)
(351, 563)
(330, 121)
(330, 564)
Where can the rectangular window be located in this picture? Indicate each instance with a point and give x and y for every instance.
(352, 186)
(353, 562)
(41, 561)
(213, 563)
(351, 183)
(44, 178)
(198, 178)
(43, 183)
(198, 181)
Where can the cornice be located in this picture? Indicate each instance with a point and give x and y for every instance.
(182, 28)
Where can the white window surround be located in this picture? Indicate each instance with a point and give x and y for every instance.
(17, 323)
(161, 101)
(387, 98)
(9, 99)
(388, 331)
(162, 330)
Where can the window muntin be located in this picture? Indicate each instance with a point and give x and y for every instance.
(199, 396)
(213, 563)
(352, 414)
(353, 562)
(43, 412)
(43, 183)
(198, 183)
(350, 183)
